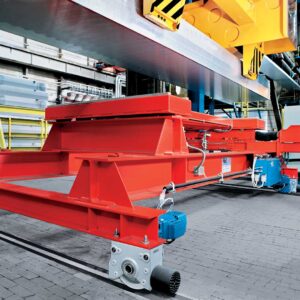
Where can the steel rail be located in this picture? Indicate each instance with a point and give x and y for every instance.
(79, 265)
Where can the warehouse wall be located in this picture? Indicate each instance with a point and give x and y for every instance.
(51, 81)
(10, 69)
(31, 45)
(50, 78)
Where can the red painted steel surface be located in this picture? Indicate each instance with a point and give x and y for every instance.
(290, 172)
(122, 151)
(132, 106)
(244, 140)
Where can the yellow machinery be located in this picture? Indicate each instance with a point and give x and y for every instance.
(165, 13)
(257, 26)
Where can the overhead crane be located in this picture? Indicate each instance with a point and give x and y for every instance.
(124, 150)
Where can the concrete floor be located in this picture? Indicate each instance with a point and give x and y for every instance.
(239, 245)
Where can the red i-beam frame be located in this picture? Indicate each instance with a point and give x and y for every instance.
(121, 151)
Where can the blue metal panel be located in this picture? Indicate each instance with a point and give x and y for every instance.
(289, 185)
(271, 168)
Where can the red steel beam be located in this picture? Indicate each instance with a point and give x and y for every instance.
(101, 199)
(101, 219)
(244, 140)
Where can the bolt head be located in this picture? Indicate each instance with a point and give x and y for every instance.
(146, 257)
(113, 249)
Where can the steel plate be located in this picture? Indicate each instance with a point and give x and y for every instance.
(116, 32)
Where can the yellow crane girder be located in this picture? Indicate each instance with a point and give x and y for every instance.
(258, 26)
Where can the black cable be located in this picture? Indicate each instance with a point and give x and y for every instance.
(204, 180)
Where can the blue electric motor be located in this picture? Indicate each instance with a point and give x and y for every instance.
(172, 225)
(271, 169)
(269, 172)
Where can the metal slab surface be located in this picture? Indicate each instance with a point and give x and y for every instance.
(116, 32)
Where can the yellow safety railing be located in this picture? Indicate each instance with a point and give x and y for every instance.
(14, 116)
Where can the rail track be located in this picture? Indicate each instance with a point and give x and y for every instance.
(82, 266)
